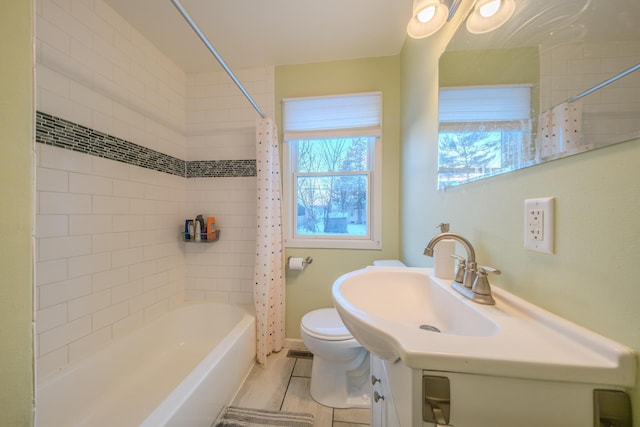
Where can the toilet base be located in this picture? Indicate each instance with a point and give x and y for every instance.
(339, 386)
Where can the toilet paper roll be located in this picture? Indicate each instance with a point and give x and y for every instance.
(296, 263)
(444, 265)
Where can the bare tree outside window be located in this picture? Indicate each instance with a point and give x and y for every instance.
(332, 185)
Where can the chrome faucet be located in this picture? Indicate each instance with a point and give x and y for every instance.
(470, 280)
(470, 266)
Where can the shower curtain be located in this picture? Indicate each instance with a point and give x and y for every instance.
(268, 292)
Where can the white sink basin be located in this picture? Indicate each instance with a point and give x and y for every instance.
(393, 312)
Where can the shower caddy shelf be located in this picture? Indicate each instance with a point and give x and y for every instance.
(203, 237)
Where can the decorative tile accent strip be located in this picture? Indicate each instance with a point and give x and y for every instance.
(62, 133)
(55, 131)
(221, 168)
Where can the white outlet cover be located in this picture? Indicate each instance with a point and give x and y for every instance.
(539, 224)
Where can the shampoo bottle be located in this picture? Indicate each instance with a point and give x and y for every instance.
(198, 231)
(444, 264)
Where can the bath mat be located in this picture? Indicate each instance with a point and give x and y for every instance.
(245, 417)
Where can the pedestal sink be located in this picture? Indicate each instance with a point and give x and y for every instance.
(407, 314)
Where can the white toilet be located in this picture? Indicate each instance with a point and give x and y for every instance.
(340, 372)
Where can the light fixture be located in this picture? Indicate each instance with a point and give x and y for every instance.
(488, 15)
(428, 17)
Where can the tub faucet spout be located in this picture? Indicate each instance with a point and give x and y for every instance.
(471, 265)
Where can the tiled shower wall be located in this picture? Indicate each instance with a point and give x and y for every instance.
(109, 255)
(610, 114)
(221, 125)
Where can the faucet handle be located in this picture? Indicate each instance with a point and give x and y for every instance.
(460, 269)
(484, 270)
(481, 285)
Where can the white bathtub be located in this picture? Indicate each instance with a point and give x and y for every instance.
(179, 370)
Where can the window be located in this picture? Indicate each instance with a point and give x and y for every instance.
(484, 130)
(332, 165)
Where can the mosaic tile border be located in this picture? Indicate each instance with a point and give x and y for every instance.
(51, 130)
(221, 168)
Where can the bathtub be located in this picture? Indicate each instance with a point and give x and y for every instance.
(178, 370)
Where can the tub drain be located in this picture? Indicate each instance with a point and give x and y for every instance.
(429, 328)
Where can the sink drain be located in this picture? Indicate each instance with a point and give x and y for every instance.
(429, 328)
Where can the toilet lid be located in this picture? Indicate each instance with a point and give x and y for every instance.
(325, 324)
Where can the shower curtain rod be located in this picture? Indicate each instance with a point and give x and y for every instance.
(204, 39)
(604, 83)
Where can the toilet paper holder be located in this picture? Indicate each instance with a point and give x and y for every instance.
(307, 260)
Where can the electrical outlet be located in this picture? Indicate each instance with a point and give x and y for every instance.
(538, 224)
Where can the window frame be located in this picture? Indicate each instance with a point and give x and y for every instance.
(372, 241)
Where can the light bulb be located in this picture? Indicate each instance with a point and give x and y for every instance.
(426, 14)
(490, 8)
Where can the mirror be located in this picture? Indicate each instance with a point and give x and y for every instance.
(558, 78)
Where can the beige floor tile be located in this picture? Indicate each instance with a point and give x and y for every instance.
(341, 424)
(298, 399)
(355, 415)
(265, 388)
(303, 368)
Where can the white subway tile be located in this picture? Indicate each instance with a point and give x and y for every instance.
(89, 264)
(89, 344)
(126, 257)
(109, 242)
(107, 124)
(63, 335)
(63, 247)
(60, 17)
(51, 317)
(81, 13)
(85, 55)
(110, 315)
(140, 302)
(50, 271)
(63, 203)
(110, 205)
(53, 81)
(127, 291)
(90, 184)
(155, 281)
(122, 188)
(128, 222)
(140, 270)
(89, 304)
(90, 224)
(64, 291)
(110, 278)
(89, 98)
(51, 226)
(110, 168)
(52, 180)
(141, 207)
(64, 160)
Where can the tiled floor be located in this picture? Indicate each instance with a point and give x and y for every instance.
(284, 385)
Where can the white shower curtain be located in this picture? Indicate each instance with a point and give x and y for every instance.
(268, 291)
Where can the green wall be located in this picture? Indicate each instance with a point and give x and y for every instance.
(311, 288)
(16, 184)
(592, 278)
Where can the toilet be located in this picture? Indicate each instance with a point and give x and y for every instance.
(340, 374)
(340, 370)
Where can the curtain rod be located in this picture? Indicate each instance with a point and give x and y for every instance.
(605, 83)
(204, 39)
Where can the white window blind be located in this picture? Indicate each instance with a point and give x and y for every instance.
(343, 115)
(485, 103)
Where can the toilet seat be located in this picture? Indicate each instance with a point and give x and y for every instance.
(325, 324)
